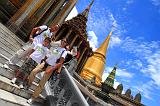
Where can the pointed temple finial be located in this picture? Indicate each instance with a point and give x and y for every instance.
(103, 48)
(86, 11)
(96, 63)
(110, 79)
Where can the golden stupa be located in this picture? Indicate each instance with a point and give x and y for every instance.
(95, 64)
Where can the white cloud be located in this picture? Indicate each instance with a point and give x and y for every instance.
(136, 64)
(129, 1)
(93, 40)
(120, 72)
(148, 57)
(155, 2)
(153, 68)
(116, 83)
(72, 14)
(115, 38)
(124, 73)
(124, 9)
(146, 89)
(113, 21)
(105, 21)
(115, 41)
(104, 76)
(136, 47)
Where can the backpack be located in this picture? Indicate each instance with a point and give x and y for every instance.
(40, 32)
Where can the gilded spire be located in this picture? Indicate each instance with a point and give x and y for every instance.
(96, 63)
(86, 11)
(103, 48)
(110, 79)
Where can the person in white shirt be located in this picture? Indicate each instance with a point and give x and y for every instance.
(36, 55)
(38, 34)
(53, 61)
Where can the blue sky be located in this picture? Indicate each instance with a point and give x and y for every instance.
(134, 45)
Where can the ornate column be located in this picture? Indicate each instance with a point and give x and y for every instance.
(54, 10)
(64, 12)
(81, 55)
(17, 3)
(38, 15)
(59, 34)
(69, 32)
(74, 39)
(79, 44)
(82, 62)
(26, 11)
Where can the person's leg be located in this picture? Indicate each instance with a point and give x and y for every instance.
(29, 65)
(19, 55)
(40, 87)
(17, 74)
(33, 73)
(21, 73)
(22, 83)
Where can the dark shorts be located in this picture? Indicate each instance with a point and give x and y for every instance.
(28, 66)
(46, 65)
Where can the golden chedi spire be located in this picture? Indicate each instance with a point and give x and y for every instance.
(96, 63)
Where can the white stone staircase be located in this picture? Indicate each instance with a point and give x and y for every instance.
(11, 94)
(66, 89)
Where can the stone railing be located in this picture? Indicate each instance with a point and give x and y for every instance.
(64, 90)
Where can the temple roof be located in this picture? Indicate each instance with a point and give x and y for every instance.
(78, 23)
(110, 79)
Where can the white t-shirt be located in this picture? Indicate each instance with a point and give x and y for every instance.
(55, 43)
(39, 53)
(54, 54)
(40, 38)
(74, 51)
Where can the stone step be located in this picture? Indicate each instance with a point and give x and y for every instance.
(3, 59)
(10, 99)
(9, 73)
(13, 88)
(11, 35)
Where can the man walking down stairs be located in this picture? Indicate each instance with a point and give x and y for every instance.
(11, 94)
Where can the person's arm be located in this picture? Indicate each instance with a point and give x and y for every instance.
(34, 30)
(58, 65)
(30, 52)
(43, 60)
(78, 55)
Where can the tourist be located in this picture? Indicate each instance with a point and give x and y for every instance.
(75, 52)
(38, 34)
(36, 55)
(53, 61)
